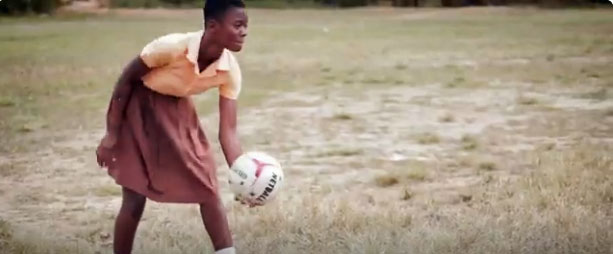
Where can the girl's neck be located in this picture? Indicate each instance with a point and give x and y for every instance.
(209, 52)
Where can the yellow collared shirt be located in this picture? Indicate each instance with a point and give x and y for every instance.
(173, 60)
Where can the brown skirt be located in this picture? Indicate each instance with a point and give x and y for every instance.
(162, 152)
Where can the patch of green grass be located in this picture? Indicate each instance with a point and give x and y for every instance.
(547, 146)
(456, 82)
(25, 129)
(330, 77)
(525, 100)
(407, 194)
(550, 58)
(373, 80)
(466, 197)
(402, 172)
(487, 165)
(427, 138)
(11, 169)
(27, 241)
(417, 173)
(5, 233)
(30, 197)
(6, 102)
(446, 118)
(593, 75)
(108, 190)
(469, 142)
(401, 66)
(343, 152)
(548, 108)
(600, 94)
(348, 81)
(342, 116)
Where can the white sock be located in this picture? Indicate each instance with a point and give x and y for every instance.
(229, 250)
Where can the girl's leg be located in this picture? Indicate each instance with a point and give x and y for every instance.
(127, 220)
(216, 223)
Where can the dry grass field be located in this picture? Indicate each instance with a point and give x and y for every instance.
(473, 130)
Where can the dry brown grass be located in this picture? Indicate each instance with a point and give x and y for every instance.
(527, 100)
(446, 118)
(487, 165)
(386, 180)
(556, 209)
(403, 172)
(407, 194)
(609, 112)
(342, 152)
(561, 207)
(418, 173)
(5, 235)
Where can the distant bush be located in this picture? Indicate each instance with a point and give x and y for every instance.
(460, 3)
(283, 4)
(135, 3)
(184, 3)
(19, 7)
(156, 3)
(352, 3)
(16, 7)
(344, 3)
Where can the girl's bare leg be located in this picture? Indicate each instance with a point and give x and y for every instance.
(127, 220)
(216, 223)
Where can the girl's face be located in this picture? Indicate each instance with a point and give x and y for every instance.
(231, 30)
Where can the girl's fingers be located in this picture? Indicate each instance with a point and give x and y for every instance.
(246, 202)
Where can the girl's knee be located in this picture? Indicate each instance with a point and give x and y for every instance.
(133, 200)
(213, 202)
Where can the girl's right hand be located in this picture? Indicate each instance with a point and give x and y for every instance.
(103, 153)
(109, 140)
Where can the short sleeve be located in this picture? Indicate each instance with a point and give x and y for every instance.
(232, 88)
(162, 50)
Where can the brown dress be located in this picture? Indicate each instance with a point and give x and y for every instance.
(162, 152)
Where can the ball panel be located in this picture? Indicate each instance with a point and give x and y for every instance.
(256, 177)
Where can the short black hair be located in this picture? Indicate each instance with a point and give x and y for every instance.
(215, 9)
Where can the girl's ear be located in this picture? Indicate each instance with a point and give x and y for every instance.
(211, 25)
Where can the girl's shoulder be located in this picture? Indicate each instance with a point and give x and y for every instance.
(176, 41)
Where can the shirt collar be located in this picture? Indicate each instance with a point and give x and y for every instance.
(193, 48)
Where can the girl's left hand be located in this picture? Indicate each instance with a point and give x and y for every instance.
(247, 202)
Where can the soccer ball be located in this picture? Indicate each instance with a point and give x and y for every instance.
(255, 178)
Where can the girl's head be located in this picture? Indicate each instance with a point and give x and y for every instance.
(226, 21)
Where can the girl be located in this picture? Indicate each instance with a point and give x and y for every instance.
(154, 146)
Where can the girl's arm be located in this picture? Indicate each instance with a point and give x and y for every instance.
(130, 76)
(228, 136)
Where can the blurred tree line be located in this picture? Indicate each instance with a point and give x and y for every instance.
(28, 6)
(17, 7)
